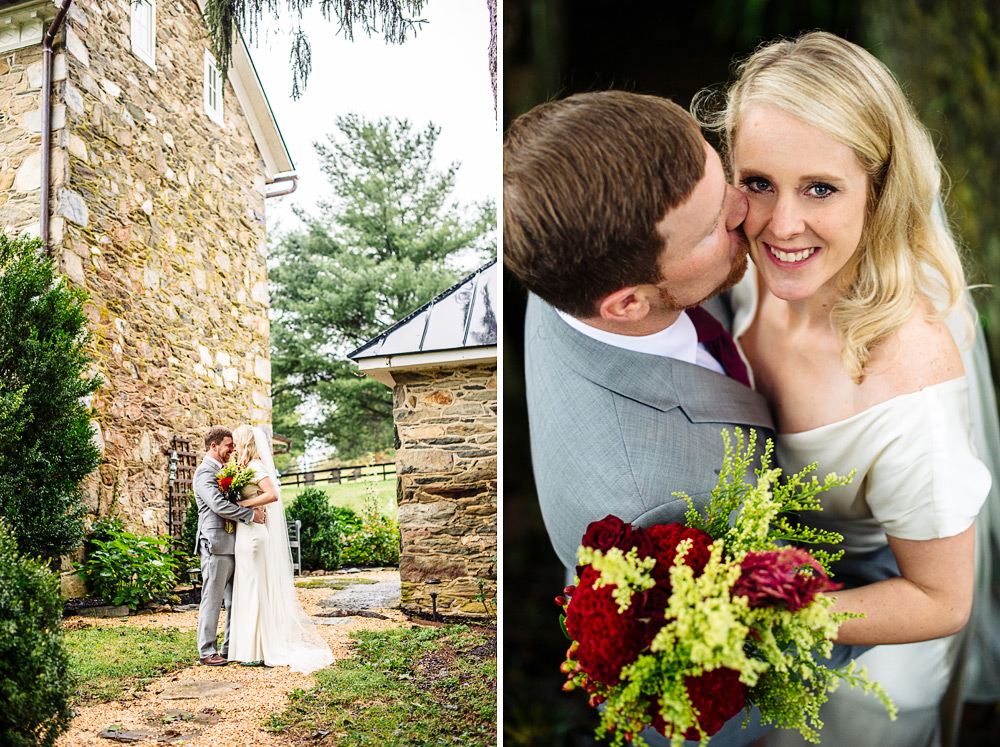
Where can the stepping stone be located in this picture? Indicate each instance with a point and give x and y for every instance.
(352, 613)
(177, 716)
(120, 734)
(120, 610)
(382, 595)
(198, 689)
(184, 607)
(322, 620)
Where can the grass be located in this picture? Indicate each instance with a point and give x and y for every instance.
(408, 686)
(351, 495)
(108, 662)
(336, 584)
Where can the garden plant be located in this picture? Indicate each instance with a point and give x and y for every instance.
(126, 568)
(47, 446)
(319, 535)
(35, 681)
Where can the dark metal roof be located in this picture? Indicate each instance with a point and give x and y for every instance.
(464, 316)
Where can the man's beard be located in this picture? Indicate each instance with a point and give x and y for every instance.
(736, 273)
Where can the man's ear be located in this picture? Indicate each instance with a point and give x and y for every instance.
(631, 304)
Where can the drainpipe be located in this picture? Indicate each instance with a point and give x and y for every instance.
(293, 178)
(50, 35)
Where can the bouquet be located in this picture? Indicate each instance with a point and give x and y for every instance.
(232, 479)
(681, 626)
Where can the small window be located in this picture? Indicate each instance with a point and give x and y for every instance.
(144, 31)
(213, 89)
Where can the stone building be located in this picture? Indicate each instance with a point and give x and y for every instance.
(441, 362)
(157, 186)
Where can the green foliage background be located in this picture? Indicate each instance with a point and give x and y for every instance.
(947, 56)
(46, 443)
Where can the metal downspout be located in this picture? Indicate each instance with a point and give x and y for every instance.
(46, 179)
(293, 178)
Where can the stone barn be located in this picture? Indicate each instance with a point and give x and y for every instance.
(153, 201)
(441, 363)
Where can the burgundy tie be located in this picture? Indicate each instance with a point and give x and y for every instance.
(717, 341)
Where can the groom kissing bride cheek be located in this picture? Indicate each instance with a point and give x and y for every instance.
(620, 222)
(248, 570)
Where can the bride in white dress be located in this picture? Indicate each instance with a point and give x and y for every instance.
(843, 325)
(268, 624)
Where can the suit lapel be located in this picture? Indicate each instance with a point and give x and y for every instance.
(655, 381)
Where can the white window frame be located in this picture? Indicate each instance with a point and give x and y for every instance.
(143, 22)
(214, 85)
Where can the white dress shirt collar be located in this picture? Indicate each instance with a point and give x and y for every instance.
(679, 341)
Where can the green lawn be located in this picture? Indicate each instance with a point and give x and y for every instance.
(352, 495)
(106, 662)
(407, 686)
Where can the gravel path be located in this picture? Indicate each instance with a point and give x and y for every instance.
(262, 691)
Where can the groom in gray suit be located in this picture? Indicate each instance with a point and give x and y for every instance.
(619, 220)
(215, 545)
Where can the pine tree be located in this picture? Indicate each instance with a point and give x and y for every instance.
(387, 241)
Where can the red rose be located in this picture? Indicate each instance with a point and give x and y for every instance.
(791, 578)
(607, 533)
(607, 640)
(717, 696)
(224, 483)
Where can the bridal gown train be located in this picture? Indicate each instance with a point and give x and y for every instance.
(268, 624)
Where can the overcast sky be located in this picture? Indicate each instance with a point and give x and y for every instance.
(440, 75)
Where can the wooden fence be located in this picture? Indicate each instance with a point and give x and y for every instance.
(337, 475)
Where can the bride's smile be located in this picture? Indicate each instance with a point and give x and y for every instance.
(807, 196)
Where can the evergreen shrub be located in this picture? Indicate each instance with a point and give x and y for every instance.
(47, 446)
(319, 535)
(35, 680)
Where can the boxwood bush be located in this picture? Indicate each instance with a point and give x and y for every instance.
(47, 446)
(319, 534)
(35, 681)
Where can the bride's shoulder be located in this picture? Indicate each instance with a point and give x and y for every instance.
(921, 353)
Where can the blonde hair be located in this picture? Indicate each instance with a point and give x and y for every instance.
(844, 91)
(245, 442)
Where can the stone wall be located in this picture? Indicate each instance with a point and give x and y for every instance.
(158, 212)
(446, 423)
(20, 137)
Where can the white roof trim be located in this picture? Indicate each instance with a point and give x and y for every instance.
(24, 24)
(381, 368)
(253, 102)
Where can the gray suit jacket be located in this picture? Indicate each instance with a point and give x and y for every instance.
(617, 432)
(213, 510)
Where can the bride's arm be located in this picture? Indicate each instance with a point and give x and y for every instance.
(931, 598)
(267, 494)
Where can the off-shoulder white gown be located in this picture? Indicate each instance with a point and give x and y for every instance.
(918, 478)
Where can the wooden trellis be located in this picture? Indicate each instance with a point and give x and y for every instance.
(181, 462)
